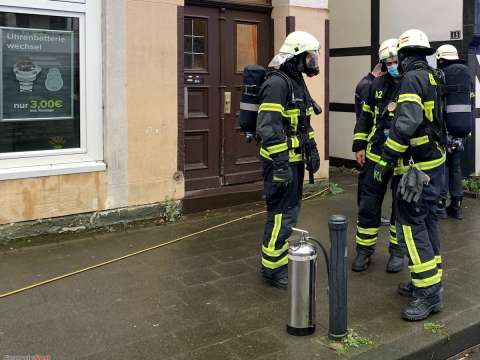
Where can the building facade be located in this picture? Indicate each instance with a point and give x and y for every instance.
(120, 104)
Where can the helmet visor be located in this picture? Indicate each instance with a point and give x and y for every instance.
(279, 59)
(312, 66)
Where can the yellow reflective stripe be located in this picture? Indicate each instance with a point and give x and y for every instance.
(310, 111)
(272, 105)
(395, 146)
(264, 153)
(435, 279)
(295, 141)
(371, 156)
(440, 272)
(311, 135)
(368, 231)
(275, 149)
(275, 265)
(393, 229)
(426, 266)
(294, 157)
(429, 106)
(360, 136)
(419, 140)
(367, 108)
(472, 95)
(292, 112)
(393, 240)
(276, 230)
(366, 242)
(432, 79)
(438, 259)
(425, 165)
(412, 249)
(275, 253)
(410, 98)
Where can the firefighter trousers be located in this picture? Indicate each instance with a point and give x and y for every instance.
(417, 233)
(370, 211)
(283, 205)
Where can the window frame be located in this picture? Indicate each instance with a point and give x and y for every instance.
(91, 97)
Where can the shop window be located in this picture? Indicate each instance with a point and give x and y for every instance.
(246, 45)
(195, 44)
(40, 81)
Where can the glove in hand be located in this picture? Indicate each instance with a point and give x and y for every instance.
(314, 163)
(412, 183)
(382, 168)
(282, 172)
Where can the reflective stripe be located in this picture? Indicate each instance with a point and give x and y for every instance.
(272, 105)
(472, 95)
(275, 231)
(366, 242)
(395, 146)
(295, 142)
(425, 165)
(264, 153)
(426, 266)
(393, 229)
(367, 108)
(311, 135)
(370, 231)
(410, 98)
(428, 107)
(275, 253)
(310, 111)
(412, 249)
(435, 279)
(419, 141)
(275, 265)
(393, 240)
(432, 79)
(459, 108)
(371, 156)
(275, 149)
(360, 136)
(438, 259)
(294, 157)
(249, 107)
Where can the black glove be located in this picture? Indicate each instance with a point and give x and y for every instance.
(282, 172)
(382, 168)
(314, 161)
(411, 184)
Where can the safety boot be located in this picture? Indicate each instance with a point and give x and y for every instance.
(361, 262)
(277, 278)
(421, 308)
(454, 210)
(441, 209)
(405, 289)
(394, 264)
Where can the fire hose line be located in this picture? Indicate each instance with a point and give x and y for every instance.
(96, 266)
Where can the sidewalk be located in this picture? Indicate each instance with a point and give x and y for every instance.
(202, 298)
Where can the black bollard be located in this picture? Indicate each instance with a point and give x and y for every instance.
(338, 277)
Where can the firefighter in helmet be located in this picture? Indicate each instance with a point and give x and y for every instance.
(287, 146)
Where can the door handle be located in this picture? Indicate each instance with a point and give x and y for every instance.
(227, 102)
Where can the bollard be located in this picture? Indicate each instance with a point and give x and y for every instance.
(338, 277)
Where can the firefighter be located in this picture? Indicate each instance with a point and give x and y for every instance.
(416, 138)
(369, 138)
(283, 126)
(459, 109)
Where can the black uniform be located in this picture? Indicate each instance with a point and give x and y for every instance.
(283, 125)
(361, 93)
(415, 136)
(370, 134)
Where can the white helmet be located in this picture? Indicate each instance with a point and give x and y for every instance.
(388, 49)
(415, 39)
(295, 43)
(447, 52)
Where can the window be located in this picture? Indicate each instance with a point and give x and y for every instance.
(195, 44)
(50, 69)
(246, 45)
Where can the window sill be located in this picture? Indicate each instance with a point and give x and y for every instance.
(51, 170)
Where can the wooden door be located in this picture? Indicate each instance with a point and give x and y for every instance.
(202, 98)
(245, 39)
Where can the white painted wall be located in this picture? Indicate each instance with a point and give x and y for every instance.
(341, 131)
(345, 73)
(349, 23)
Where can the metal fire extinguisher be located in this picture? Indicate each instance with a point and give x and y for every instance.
(302, 278)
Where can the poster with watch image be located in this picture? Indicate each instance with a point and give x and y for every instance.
(36, 74)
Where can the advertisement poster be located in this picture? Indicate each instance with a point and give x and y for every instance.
(36, 75)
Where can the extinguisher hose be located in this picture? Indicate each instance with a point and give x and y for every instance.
(325, 255)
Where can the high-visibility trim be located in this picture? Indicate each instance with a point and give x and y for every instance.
(310, 111)
(432, 79)
(367, 108)
(419, 140)
(275, 265)
(395, 146)
(393, 229)
(426, 266)
(292, 112)
(265, 154)
(435, 279)
(249, 106)
(275, 231)
(459, 108)
(393, 240)
(472, 95)
(278, 148)
(272, 105)
(366, 242)
(410, 97)
(360, 136)
(438, 259)
(440, 272)
(295, 141)
(311, 135)
(371, 156)
(425, 165)
(294, 157)
(369, 231)
(412, 249)
(428, 108)
(275, 253)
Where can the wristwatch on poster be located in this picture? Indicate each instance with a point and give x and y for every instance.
(26, 72)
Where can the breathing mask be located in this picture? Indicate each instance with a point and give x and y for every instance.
(309, 65)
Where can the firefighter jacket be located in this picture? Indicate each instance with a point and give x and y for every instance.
(283, 122)
(361, 93)
(416, 130)
(373, 126)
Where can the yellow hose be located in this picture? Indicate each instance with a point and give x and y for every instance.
(45, 282)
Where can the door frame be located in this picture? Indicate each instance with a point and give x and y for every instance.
(221, 5)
